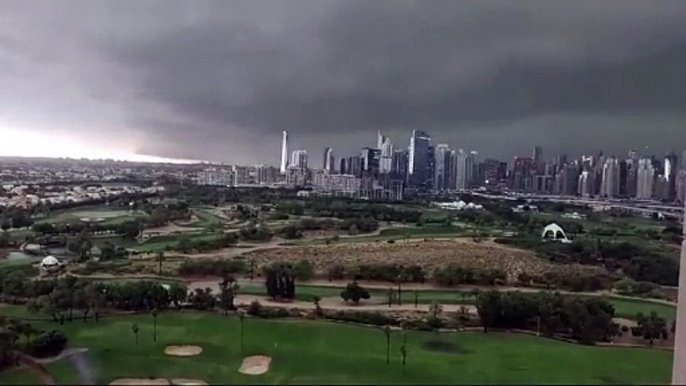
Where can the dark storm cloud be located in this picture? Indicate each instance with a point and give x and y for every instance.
(221, 80)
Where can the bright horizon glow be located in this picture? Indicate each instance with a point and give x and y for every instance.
(22, 143)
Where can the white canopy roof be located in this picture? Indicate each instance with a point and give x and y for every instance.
(50, 261)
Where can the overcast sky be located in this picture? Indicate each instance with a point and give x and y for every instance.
(220, 80)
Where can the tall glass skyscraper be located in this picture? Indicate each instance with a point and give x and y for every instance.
(420, 160)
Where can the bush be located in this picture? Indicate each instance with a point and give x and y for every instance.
(219, 267)
(255, 308)
(636, 332)
(336, 272)
(455, 275)
(373, 318)
(303, 270)
(47, 344)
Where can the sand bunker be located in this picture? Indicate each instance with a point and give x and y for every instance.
(140, 381)
(183, 351)
(187, 382)
(255, 365)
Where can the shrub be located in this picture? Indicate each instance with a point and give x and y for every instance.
(373, 318)
(303, 270)
(336, 272)
(47, 344)
(218, 267)
(255, 308)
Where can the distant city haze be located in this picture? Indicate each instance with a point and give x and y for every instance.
(222, 80)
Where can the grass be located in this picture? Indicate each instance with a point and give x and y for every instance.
(109, 215)
(312, 352)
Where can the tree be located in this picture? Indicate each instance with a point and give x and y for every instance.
(228, 291)
(354, 292)
(387, 332)
(178, 294)
(317, 308)
(241, 318)
(280, 282)
(488, 306)
(435, 320)
(160, 259)
(652, 326)
(154, 324)
(135, 330)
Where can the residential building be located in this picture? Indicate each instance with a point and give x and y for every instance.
(329, 163)
(299, 159)
(645, 179)
(284, 152)
(610, 182)
(441, 173)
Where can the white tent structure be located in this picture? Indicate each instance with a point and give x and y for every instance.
(49, 262)
(555, 232)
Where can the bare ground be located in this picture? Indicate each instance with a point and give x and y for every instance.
(428, 254)
(255, 365)
(183, 350)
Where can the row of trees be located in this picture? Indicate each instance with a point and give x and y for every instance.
(587, 320)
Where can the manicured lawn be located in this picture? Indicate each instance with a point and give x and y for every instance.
(628, 308)
(323, 352)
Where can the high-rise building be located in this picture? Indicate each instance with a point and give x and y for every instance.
(585, 183)
(420, 160)
(284, 152)
(570, 180)
(461, 170)
(343, 166)
(299, 159)
(266, 175)
(681, 186)
(386, 161)
(645, 179)
(441, 174)
(521, 176)
(610, 178)
(399, 165)
(631, 176)
(472, 169)
(329, 161)
(380, 139)
(538, 160)
(493, 171)
(370, 159)
(670, 173)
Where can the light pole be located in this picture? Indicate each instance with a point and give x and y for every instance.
(679, 365)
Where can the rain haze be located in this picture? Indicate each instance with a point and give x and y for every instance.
(221, 80)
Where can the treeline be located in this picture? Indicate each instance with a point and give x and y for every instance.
(353, 226)
(635, 262)
(345, 209)
(587, 320)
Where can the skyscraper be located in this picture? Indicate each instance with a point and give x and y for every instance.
(284, 152)
(329, 162)
(645, 179)
(420, 162)
(299, 159)
(380, 139)
(370, 159)
(610, 178)
(386, 148)
(461, 170)
(671, 168)
(441, 174)
(399, 165)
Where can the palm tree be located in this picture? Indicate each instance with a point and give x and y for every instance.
(387, 332)
(135, 329)
(160, 258)
(154, 324)
(241, 317)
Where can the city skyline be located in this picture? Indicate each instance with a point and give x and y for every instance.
(216, 81)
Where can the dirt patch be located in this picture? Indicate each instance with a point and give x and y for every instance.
(140, 381)
(255, 365)
(187, 382)
(435, 253)
(183, 351)
(445, 347)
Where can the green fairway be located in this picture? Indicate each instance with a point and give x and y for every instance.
(323, 352)
(628, 308)
(105, 214)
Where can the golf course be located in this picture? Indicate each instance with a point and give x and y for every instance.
(325, 352)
